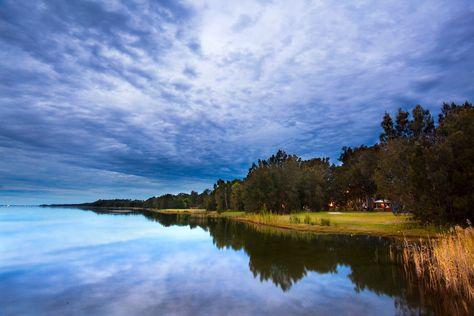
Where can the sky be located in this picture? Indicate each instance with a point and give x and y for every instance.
(132, 99)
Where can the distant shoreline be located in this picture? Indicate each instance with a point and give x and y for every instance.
(101, 209)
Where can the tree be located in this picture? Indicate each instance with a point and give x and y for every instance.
(194, 199)
(422, 123)
(222, 195)
(391, 175)
(353, 183)
(450, 165)
(402, 121)
(276, 184)
(236, 202)
(314, 184)
(430, 173)
(388, 129)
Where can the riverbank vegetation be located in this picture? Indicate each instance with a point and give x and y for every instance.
(421, 167)
(445, 266)
(370, 223)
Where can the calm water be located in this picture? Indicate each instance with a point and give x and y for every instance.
(56, 261)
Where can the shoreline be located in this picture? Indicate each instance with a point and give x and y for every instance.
(402, 226)
(377, 224)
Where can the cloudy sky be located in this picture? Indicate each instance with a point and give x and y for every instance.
(138, 98)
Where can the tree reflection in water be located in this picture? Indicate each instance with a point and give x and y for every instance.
(286, 257)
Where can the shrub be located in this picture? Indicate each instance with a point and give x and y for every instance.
(294, 219)
(325, 222)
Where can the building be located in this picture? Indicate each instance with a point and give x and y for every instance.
(384, 205)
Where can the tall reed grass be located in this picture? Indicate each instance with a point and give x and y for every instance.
(445, 265)
(264, 217)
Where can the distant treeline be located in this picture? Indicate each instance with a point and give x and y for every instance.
(420, 166)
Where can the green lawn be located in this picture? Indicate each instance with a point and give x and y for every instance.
(373, 223)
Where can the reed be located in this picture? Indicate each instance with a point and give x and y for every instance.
(294, 219)
(264, 217)
(444, 265)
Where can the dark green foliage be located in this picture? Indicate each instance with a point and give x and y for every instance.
(115, 203)
(431, 172)
(353, 184)
(285, 182)
(316, 175)
(451, 163)
(169, 201)
(236, 202)
(208, 200)
(402, 124)
(389, 131)
(222, 194)
(422, 123)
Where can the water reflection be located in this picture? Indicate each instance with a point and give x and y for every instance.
(71, 262)
(286, 257)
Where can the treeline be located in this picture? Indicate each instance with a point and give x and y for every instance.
(109, 203)
(166, 201)
(420, 166)
(178, 201)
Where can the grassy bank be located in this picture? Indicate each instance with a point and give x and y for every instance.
(369, 223)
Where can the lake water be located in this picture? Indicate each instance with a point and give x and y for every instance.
(59, 261)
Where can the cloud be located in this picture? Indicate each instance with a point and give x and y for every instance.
(184, 92)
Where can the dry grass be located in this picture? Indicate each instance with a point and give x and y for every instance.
(263, 218)
(445, 266)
